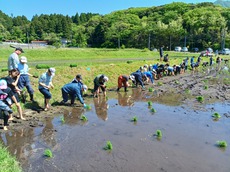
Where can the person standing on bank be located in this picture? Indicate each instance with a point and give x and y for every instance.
(161, 53)
(24, 80)
(13, 60)
(45, 84)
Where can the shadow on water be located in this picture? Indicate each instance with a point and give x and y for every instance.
(189, 136)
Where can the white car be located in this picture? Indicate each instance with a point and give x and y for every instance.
(225, 51)
(184, 49)
(178, 49)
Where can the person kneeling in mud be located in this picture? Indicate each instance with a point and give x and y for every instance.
(73, 90)
(99, 82)
(123, 81)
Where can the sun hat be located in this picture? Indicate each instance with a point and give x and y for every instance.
(52, 71)
(19, 49)
(3, 84)
(23, 59)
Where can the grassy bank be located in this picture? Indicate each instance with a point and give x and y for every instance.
(7, 162)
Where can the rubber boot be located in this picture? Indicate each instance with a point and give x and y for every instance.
(32, 97)
(126, 89)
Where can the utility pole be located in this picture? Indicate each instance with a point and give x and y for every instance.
(185, 41)
(27, 33)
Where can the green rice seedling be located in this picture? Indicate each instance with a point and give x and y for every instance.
(73, 65)
(216, 115)
(187, 91)
(88, 107)
(177, 82)
(153, 110)
(159, 83)
(158, 133)
(48, 153)
(62, 119)
(84, 118)
(222, 143)
(134, 119)
(150, 103)
(109, 146)
(150, 89)
(206, 87)
(200, 99)
(42, 66)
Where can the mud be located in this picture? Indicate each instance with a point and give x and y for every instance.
(189, 132)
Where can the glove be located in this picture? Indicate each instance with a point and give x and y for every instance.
(85, 105)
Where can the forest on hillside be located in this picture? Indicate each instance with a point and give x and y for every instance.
(177, 24)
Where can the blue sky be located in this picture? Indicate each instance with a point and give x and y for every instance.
(29, 8)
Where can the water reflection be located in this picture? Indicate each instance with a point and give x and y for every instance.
(19, 143)
(125, 100)
(72, 117)
(101, 107)
(48, 133)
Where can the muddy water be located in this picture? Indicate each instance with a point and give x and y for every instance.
(188, 142)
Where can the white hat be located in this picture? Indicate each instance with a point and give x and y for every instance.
(3, 84)
(52, 71)
(23, 59)
(106, 78)
(84, 87)
(132, 77)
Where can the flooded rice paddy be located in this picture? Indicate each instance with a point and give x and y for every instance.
(188, 142)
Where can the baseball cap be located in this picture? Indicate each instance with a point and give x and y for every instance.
(52, 71)
(20, 49)
(23, 59)
(3, 84)
(79, 76)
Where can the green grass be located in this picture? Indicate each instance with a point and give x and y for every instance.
(8, 163)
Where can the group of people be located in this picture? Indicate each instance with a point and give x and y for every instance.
(12, 85)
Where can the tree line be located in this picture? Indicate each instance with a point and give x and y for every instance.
(199, 25)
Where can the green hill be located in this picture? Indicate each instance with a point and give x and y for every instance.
(222, 3)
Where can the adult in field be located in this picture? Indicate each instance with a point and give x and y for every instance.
(13, 59)
(73, 90)
(24, 80)
(45, 84)
(161, 53)
(123, 81)
(138, 78)
(99, 82)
